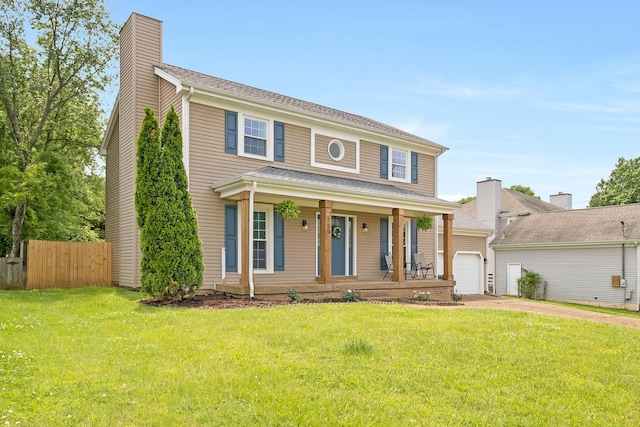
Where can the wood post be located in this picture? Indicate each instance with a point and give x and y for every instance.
(447, 246)
(398, 245)
(325, 242)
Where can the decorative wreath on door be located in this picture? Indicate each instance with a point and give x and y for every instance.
(336, 231)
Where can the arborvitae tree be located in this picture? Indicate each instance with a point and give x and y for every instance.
(148, 165)
(190, 266)
(146, 195)
(171, 262)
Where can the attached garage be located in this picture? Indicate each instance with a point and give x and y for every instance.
(468, 272)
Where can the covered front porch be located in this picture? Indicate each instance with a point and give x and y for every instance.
(329, 203)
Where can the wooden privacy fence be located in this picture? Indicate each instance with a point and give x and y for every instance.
(68, 264)
(12, 273)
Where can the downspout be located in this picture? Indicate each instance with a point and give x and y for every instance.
(251, 197)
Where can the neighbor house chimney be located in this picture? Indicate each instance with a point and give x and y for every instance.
(561, 200)
(489, 202)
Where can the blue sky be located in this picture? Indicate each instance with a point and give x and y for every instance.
(539, 93)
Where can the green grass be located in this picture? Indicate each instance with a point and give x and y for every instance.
(95, 357)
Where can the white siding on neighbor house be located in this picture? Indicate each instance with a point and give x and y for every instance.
(577, 274)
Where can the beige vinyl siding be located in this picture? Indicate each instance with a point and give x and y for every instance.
(140, 49)
(297, 148)
(322, 152)
(426, 245)
(299, 251)
(112, 202)
(168, 97)
(426, 175)
(466, 243)
(209, 163)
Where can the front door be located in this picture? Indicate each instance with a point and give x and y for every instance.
(339, 238)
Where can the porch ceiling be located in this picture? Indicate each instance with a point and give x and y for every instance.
(273, 184)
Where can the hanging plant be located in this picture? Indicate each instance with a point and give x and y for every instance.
(287, 209)
(424, 223)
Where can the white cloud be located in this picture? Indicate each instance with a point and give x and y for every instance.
(431, 85)
(430, 131)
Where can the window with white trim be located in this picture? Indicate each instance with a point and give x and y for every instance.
(399, 165)
(256, 139)
(260, 240)
(263, 238)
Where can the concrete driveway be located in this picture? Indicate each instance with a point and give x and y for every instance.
(498, 303)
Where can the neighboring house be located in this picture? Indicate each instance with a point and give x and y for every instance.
(470, 246)
(478, 221)
(360, 183)
(587, 256)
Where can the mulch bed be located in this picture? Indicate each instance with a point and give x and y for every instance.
(220, 301)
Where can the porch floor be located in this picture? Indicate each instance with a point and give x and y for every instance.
(383, 290)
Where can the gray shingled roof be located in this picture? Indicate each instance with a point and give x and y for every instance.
(465, 222)
(513, 201)
(204, 81)
(573, 226)
(337, 183)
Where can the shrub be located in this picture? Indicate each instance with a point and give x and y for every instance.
(294, 296)
(348, 295)
(528, 284)
(456, 296)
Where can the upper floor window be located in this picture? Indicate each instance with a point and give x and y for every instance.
(254, 137)
(256, 141)
(398, 164)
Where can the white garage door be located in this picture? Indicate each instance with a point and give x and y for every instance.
(467, 272)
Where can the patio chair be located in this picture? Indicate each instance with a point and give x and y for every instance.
(422, 267)
(389, 261)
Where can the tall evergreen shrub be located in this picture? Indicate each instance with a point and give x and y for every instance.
(171, 249)
(190, 266)
(148, 167)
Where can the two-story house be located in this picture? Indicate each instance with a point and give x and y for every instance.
(360, 184)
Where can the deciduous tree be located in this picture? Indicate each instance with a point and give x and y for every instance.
(50, 110)
(622, 187)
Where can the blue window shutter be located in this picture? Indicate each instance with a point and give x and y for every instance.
(231, 238)
(414, 167)
(278, 141)
(384, 242)
(384, 161)
(278, 243)
(414, 238)
(231, 132)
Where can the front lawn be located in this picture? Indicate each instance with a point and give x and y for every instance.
(95, 357)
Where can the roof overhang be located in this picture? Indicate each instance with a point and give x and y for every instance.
(205, 94)
(562, 245)
(110, 126)
(344, 196)
(467, 231)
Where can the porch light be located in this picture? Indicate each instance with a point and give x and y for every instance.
(305, 225)
(365, 227)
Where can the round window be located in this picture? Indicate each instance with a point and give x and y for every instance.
(336, 150)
